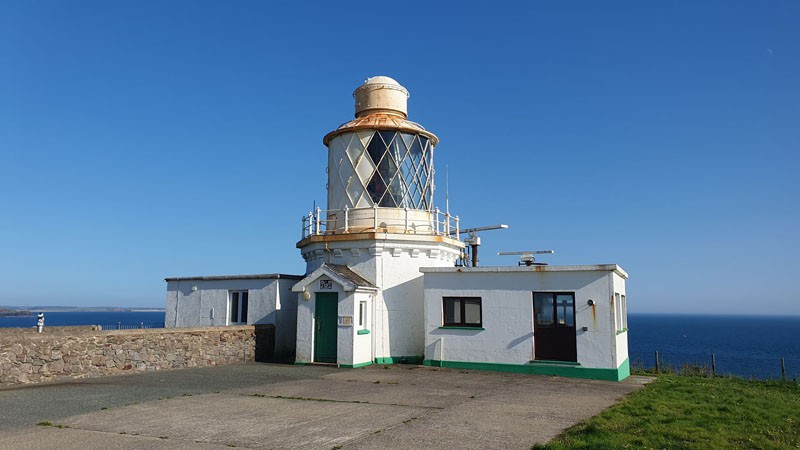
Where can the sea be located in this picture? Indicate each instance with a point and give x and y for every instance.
(744, 346)
(108, 319)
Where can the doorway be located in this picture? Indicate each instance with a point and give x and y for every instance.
(325, 326)
(554, 326)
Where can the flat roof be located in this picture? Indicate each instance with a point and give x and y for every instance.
(260, 276)
(535, 268)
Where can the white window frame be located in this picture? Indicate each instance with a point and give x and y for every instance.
(363, 309)
(240, 318)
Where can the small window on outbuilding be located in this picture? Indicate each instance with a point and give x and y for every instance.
(624, 306)
(621, 312)
(362, 315)
(462, 312)
(237, 307)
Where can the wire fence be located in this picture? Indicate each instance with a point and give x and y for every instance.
(711, 364)
(130, 326)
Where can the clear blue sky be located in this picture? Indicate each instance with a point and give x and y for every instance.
(140, 140)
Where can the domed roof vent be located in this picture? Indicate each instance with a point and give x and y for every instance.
(382, 95)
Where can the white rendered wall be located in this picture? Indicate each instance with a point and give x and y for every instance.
(270, 301)
(391, 263)
(362, 343)
(507, 309)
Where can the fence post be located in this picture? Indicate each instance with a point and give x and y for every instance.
(346, 218)
(783, 369)
(713, 366)
(656, 361)
(119, 325)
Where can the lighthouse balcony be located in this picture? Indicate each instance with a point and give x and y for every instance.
(380, 220)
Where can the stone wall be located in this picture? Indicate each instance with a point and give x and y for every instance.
(28, 357)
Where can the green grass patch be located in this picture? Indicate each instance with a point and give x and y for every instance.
(692, 412)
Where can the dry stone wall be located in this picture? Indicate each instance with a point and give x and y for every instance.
(29, 357)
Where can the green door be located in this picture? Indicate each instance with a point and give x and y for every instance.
(325, 326)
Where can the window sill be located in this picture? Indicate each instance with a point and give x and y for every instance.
(362, 332)
(446, 327)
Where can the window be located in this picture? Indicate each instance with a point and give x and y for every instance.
(362, 315)
(237, 301)
(462, 312)
(554, 309)
(621, 312)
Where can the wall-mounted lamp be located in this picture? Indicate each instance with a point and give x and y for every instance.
(306, 295)
(590, 302)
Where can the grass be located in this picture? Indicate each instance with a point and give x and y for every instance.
(694, 412)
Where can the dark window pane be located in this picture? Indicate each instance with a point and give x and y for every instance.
(234, 306)
(566, 307)
(543, 309)
(244, 308)
(472, 312)
(387, 137)
(452, 311)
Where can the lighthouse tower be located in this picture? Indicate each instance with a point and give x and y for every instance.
(361, 300)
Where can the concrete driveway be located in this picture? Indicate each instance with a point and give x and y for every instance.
(263, 406)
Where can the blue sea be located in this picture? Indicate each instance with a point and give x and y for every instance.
(746, 346)
(109, 320)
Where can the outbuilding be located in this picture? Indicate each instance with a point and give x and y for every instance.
(540, 319)
(261, 299)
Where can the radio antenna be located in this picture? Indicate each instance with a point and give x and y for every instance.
(526, 257)
(446, 190)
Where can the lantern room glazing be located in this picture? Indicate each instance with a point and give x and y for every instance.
(387, 168)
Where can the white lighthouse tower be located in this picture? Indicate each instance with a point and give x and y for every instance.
(361, 300)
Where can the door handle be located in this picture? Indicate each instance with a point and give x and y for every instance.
(318, 324)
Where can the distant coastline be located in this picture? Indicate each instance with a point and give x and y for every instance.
(28, 310)
(12, 312)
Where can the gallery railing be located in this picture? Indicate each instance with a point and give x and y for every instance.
(377, 219)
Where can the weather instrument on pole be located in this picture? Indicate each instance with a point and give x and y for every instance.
(526, 257)
(474, 241)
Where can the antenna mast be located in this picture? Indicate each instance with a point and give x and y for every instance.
(446, 190)
(474, 241)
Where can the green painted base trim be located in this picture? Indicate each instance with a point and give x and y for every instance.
(362, 332)
(624, 330)
(400, 360)
(355, 366)
(462, 328)
(624, 370)
(618, 374)
(560, 363)
(300, 363)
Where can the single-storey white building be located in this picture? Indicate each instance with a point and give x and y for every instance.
(236, 300)
(554, 320)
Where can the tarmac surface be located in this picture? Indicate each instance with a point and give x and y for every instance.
(271, 406)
